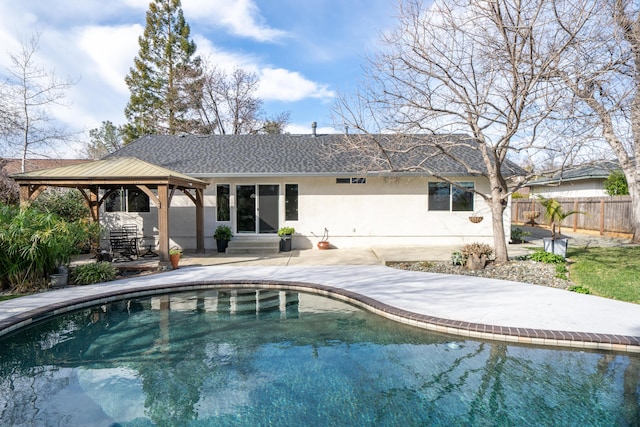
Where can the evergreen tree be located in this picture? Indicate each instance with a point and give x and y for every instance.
(162, 72)
(616, 184)
(104, 140)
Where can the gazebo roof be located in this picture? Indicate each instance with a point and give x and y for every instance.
(114, 170)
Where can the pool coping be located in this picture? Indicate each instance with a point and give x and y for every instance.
(519, 335)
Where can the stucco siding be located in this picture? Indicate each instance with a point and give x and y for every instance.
(384, 211)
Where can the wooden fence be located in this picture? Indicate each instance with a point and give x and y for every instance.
(606, 215)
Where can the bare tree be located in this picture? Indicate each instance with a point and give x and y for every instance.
(28, 95)
(462, 66)
(598, 77)
(228, 104)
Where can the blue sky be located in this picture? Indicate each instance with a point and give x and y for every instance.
(305, 52)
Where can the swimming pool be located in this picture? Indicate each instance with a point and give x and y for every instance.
(270, 357)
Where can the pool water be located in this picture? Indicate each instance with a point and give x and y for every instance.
(253, 358)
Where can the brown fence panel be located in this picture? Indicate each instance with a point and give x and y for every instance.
(601, 214)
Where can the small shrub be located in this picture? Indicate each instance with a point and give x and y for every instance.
(67, 204)
(457, 258)
(561, 271)
(547, 257)
(579, 289)
(518, 234)
(476, 249)
(96, 272)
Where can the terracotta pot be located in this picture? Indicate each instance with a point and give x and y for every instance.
(323, 245)
(175, 259)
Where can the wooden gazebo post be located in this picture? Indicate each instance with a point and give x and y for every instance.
(163, 223)
(199, 220)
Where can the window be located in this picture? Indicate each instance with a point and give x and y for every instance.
(137, 201)
(447, 197)
(127, 200)
(351, 180)
(116, 201)
(291, 202)
(223, 212)
(462, 197)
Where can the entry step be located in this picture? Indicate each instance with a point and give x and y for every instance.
(254, 246)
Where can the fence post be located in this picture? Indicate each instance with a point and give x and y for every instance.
(575, 217)
(601, 217)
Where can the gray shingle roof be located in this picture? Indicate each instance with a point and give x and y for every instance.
(597, 170)
(260, 155)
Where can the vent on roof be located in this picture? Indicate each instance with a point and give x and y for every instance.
(314, 125)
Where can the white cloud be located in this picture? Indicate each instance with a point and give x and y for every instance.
(111, 51)
(242, 17)
(224, 59)
(278, 84)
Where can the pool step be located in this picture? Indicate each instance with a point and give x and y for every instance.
(269, 245)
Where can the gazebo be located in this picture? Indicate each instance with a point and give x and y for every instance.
(113, 173)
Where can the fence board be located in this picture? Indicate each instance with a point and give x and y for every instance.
(601, 214)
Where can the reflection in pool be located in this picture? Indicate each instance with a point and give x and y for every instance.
(246, 357)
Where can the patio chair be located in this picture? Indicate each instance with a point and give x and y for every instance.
(132, 232)
(124, 243)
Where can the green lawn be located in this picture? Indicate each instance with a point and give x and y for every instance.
(608, 272)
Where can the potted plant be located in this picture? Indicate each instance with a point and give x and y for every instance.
(324, 243)
(555, 214)
(477, 255)
(174, 256)
(222, 235)
(285, 234)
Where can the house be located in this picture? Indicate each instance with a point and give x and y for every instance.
(585, 180)
(259, 183)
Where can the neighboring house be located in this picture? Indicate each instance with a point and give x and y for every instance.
(13, 166)
(259, 183)
(578, 181)
(8, 167)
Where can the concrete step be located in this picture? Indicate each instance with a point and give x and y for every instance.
(253, 246)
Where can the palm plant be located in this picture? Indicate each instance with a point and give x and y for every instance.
(33, 244)
(555, 214)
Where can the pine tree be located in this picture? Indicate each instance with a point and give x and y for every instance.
(162, 72)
